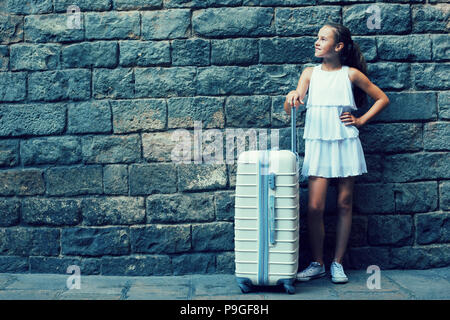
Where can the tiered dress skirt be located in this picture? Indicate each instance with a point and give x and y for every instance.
(332, 149)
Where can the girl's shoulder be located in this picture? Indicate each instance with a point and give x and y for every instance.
(354, 74)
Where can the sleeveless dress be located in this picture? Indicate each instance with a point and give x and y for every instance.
(332, 149)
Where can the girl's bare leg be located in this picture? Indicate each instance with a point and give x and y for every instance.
(316, 205)
(344, 220)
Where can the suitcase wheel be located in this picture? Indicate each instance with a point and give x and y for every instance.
(245, 288)
(289, 288)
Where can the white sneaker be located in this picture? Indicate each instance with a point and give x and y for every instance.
(314, 270)
(337, 273)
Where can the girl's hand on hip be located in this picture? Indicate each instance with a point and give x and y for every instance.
(348, 119)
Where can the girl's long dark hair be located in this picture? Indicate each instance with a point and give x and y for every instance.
(350, 56)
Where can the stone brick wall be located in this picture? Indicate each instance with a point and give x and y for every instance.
(88, 116)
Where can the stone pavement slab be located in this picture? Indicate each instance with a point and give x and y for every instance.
(394, 285)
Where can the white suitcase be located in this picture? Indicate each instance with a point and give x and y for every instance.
(267, 217)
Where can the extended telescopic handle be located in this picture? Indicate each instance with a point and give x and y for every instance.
(293, 129)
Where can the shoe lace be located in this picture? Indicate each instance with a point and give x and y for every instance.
(338, 268)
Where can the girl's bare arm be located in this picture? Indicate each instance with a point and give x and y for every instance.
(298, 94)
(381, 100)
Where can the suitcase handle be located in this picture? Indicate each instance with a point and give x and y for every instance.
(272, 219)
(293, 130)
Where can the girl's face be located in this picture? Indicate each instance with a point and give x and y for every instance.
(324, 45)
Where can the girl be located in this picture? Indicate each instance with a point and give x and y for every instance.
(332, 146)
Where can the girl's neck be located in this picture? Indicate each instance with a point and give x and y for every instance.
(331, 65)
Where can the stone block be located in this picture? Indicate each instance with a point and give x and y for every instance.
(436, 136)
(52, 150)
(9, 153)
(440, 47)
(144, 53)
(411, 106)
(137, 4)
(225, 263)
(273, 79)
(201, 177)
(9, 212)
(444, 105)
(224, 205)
(304, 20)
(355, 18)
(113, 83)
(166, 24)
(160, 82)
(432, 227)
(444, 195)
(374, 198)
(115, 179)
(138, 115)
(32, 119)
(404, 48)
(286, 50)
(430, 18)
(72, 181)
(390, 75)
(59, 265)
(51, 28)
(11, 264)
(158, 146)
(180, 208)
(215, 236)
(112, 25)
(89, 117)
(84, 5)
(416, 197)
(202, 263)
(4, 58)
(113, 211)
(51, 212)
(95, 241)
(390, 138)
(390, 230)
(73, 84)
(248, 112)
(12, 86)
(12, 28)
(24, 182)
(96, 54)
(234, 51)
(152, 178)
(431, 76)
(22, 241)
(223, 81)
(246, 21)
(416, 166)
(191, 52)
(420, 257)
(111, 149)
(160, 238)
(200, 3)
(34, 57)
(182, 112)
(136, 265)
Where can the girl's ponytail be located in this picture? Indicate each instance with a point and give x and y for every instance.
(351, 56)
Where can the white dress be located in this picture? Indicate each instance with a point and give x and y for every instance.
(332, 149)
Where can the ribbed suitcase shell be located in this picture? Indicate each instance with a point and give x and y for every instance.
(259, 261)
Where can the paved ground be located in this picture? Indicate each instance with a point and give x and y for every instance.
(394, 284)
